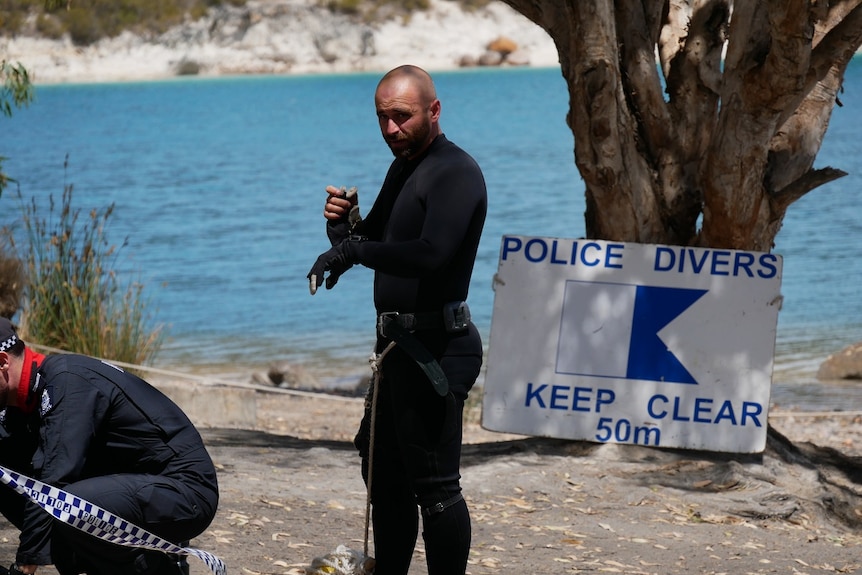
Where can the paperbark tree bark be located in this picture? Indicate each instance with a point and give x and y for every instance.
(697, 122)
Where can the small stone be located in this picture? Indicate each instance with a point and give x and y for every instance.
(490, 58)
(846, 364)
(467, 61)
(518, 58)
(502, 45)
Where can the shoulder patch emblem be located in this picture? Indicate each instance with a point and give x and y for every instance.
(46, 403)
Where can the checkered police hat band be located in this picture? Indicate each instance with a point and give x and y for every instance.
(9, 343)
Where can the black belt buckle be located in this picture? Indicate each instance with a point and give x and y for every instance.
(388, 317)
(456, 316)
(383, 320)
(435, 509)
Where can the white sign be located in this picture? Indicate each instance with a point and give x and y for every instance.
(655, 345)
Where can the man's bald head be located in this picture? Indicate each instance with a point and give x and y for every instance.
(415, 77)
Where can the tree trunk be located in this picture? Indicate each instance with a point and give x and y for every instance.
(697, 122)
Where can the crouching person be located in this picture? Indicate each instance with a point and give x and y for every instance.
(110, 438)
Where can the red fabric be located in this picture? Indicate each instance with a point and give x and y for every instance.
(31, 360)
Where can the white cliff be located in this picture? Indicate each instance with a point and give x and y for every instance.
(290, 37)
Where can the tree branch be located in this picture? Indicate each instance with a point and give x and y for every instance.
(829, 15)
(620, 194)
(550, 16)
(810, 180)
(654, 11)
(532, 9)
(803, 123)
(695, 77)
(673, 33)
(837, 47)
(830, 58)
(659, 134)
(555, 18)
(640, 76)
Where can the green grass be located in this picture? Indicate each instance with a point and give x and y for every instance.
(75, 299)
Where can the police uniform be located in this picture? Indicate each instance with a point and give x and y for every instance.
(116, 441)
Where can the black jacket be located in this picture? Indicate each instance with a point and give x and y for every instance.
(95, 419)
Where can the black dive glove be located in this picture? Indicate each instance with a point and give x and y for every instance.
(339, 230)
(336, 261)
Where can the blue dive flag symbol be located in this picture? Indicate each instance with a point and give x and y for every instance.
(649, 357)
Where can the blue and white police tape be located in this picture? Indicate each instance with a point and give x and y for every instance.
(98, 522)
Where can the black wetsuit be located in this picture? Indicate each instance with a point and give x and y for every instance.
(422, 236)
(115, 441)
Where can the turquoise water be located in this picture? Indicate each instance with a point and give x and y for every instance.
(218, 186)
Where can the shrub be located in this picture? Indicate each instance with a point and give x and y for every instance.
(49, 26)
(15, 90)
(11, 21)
(83, 26)
(15, 87)
(74, 299)
(88, 21)
(377, 10)
(12, 276)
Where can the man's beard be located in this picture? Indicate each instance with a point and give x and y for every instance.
(414, 141)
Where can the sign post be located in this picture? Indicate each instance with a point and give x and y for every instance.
(666, 346)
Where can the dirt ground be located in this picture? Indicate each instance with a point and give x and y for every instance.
(291, 491)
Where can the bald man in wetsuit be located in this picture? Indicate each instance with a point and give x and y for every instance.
(420, 238)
